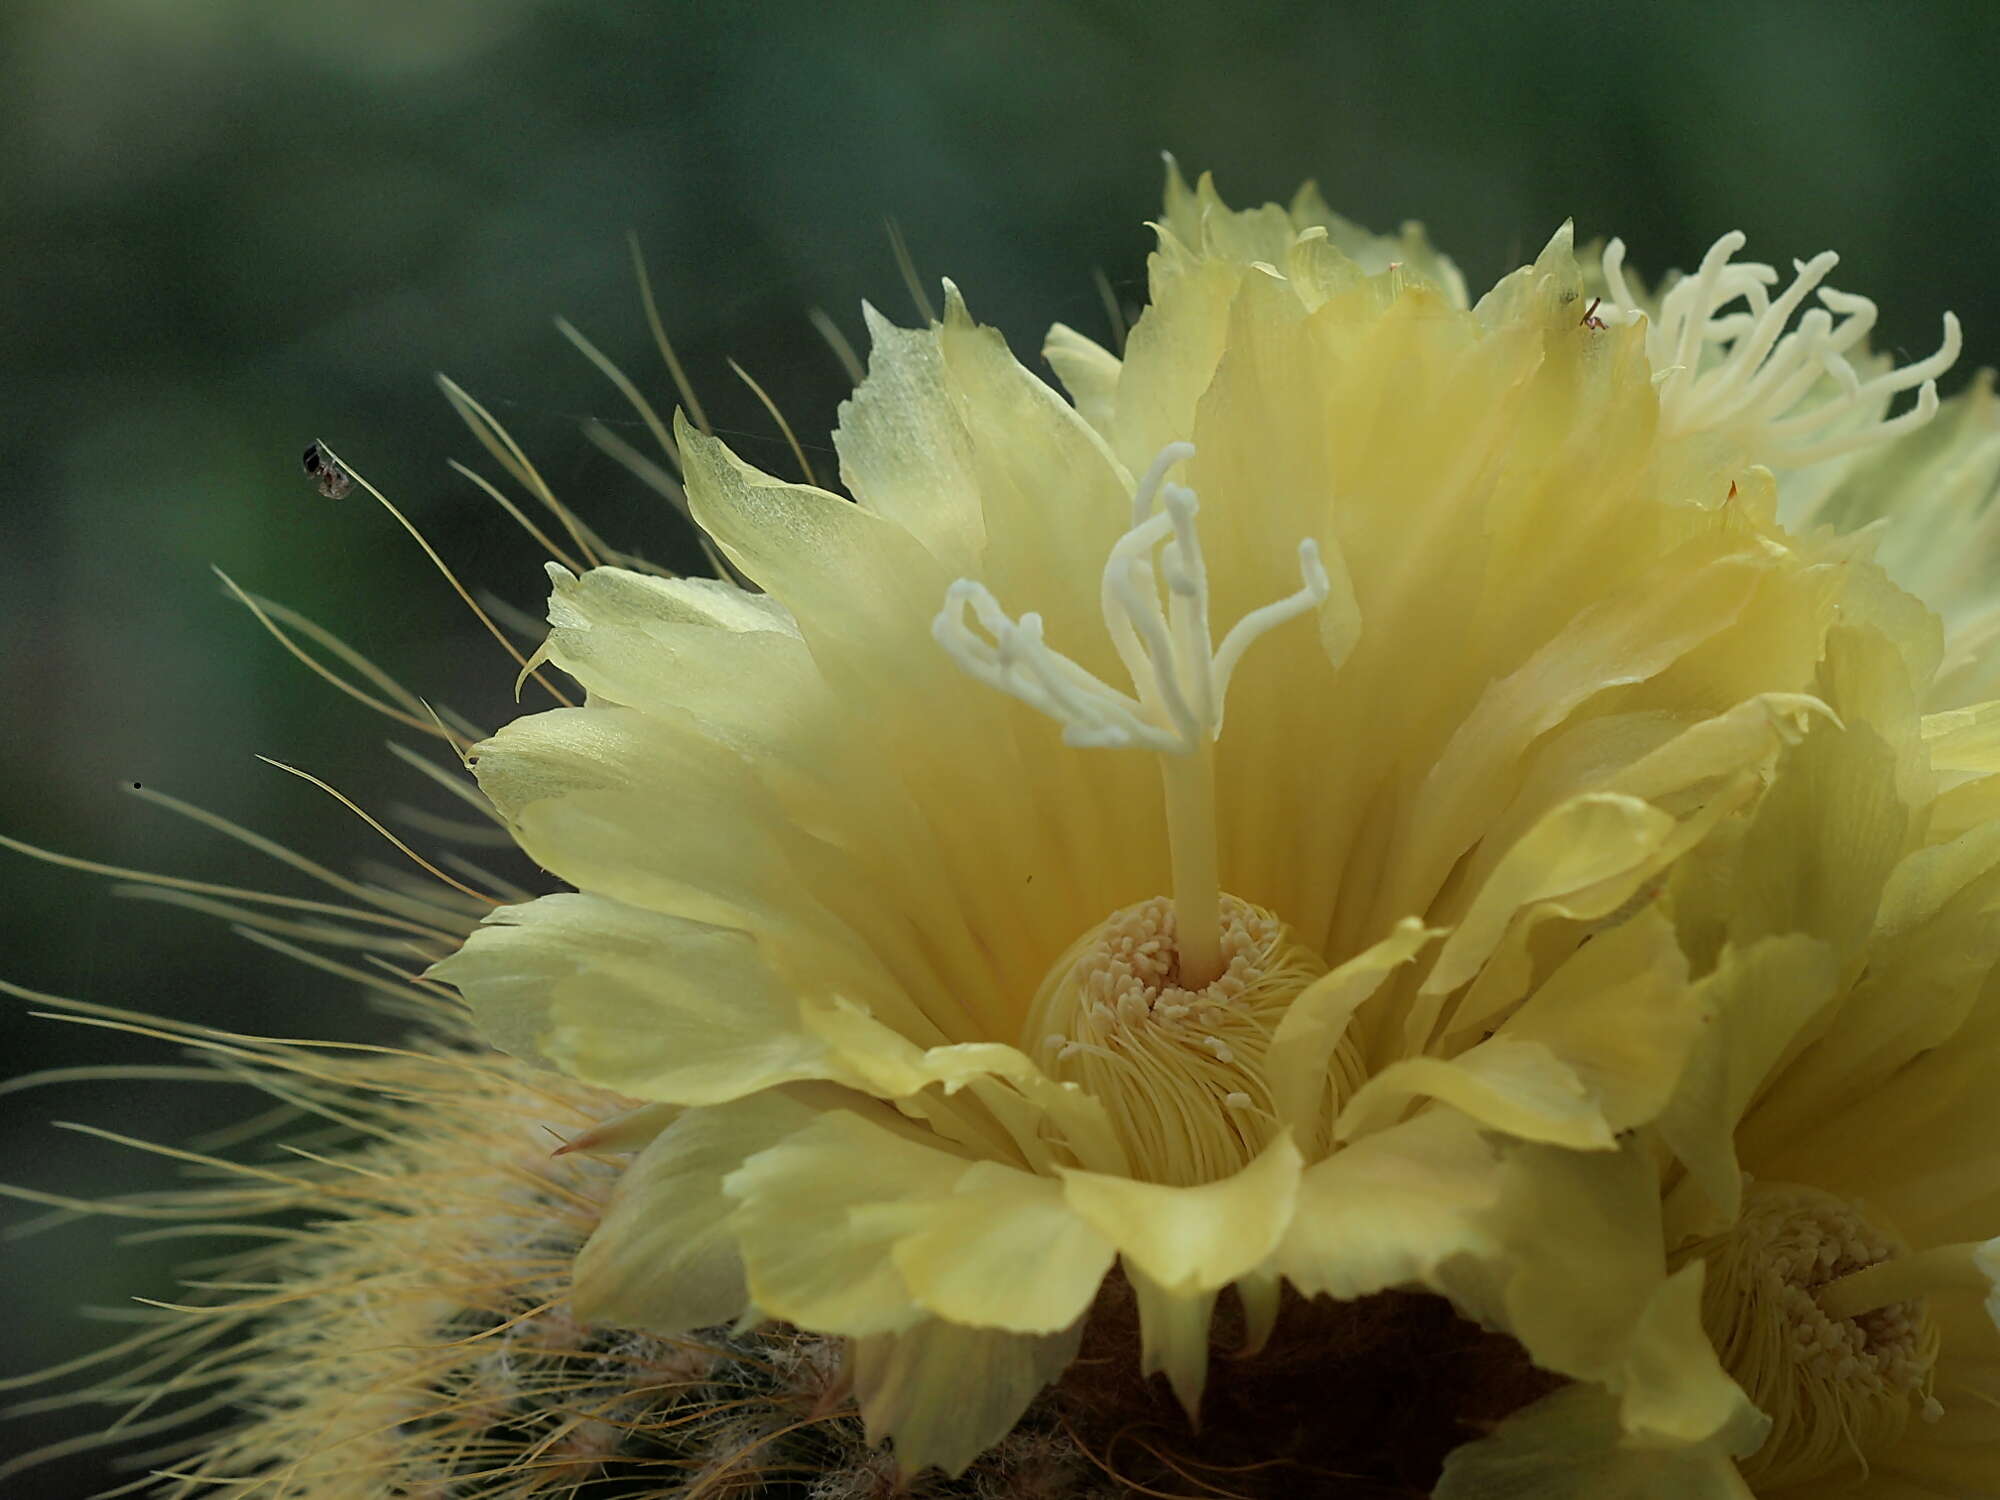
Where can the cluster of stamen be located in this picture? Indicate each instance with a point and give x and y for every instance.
(1836, 1388)
(1180, 1069)
(1793, 394)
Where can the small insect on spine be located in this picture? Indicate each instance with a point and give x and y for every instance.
(1590, 317)
(327, 476)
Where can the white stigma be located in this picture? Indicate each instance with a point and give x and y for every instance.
(1179, 678)
(1717, 365)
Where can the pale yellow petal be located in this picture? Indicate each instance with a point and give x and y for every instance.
(1172, 350)
(1392, 1209)
(1199, 218)
(1621, 1011)
(582, 789)
(1544, 929)
(1834, 823)
(1580, 845)
(648, 1005)
(1582, 1284)
(1301, 1060)
(1581, 860)
(1934, 488)
(1672, 1387)
(1004, 1250)
(1758, 1000)
(1569, 1446)
(1173, 1336)
(1928, 968)
(1032, 1109)
(727, 670)
(1597, 1049)
(817, 1246)
(1190, 1239)
(664, 1256)
(1521, 1088)
(943, 1394)
(1655, 756)
(1965, 739)
(1915, 1149)
(1409, 250)
(1316, 270)
(904, 449)
(1088, 371)
(1693, 595)
(1048, 834)
(666, 646)
(1262, 1296)
(1054, 497)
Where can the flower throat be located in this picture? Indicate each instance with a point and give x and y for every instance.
(1165, 1009)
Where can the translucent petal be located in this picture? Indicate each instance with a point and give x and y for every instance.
(944, 1394)
(818, 1228)
(904, 449)
(1088, 371)
(1575, 851)
(1192, 1239)
(1173, 1336)
(967, 1262)
(664, 1255)
(1582, 1284)
(1522, 1088)
(1597, 1049)
(1569, 1446)
(649, 1005)
(863, 1223)
(1303, 1046)
(711, 665)
(1392, 1209)
(1692, 596)
(1758, 999)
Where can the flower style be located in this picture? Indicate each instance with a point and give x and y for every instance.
(938, 1000)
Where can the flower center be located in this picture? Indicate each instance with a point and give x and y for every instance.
(1180, 1069)
(1836, 1388)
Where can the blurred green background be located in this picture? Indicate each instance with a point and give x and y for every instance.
(231, 226)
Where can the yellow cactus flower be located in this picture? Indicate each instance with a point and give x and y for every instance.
(1830, 1158)
(1834, 1164)
(1214, 825)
